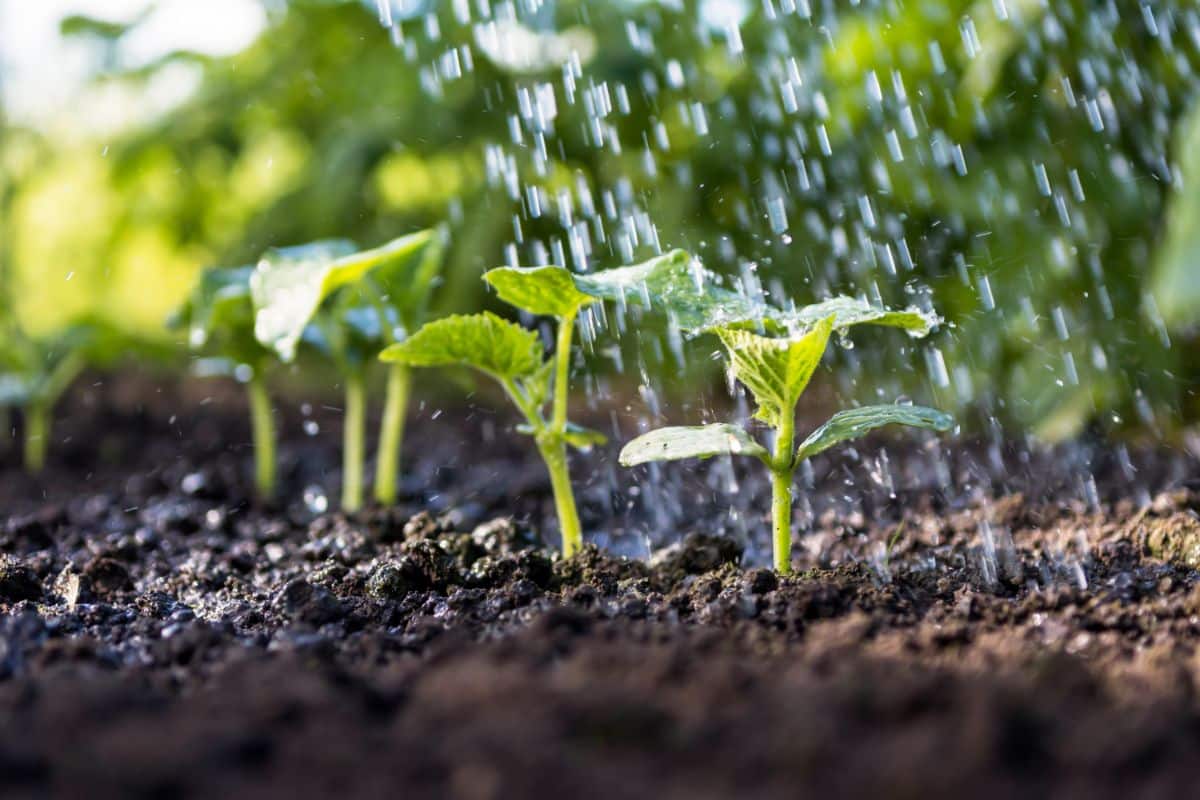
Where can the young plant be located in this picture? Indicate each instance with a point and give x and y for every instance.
(776, 371)
(513, 356)
(34, 373)
(349, 305)
(219, 320)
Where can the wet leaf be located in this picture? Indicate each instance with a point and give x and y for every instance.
(485, 341)
(855, 423)
(681, 288)
(776, 370)
(695, 299)
(290, 284)
(850, 311)
(705, 441)
(548, 290)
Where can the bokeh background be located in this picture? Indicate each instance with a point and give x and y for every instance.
(1030, 168)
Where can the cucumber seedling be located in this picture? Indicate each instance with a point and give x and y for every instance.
(218, 318)
(776, 371)
(35, 371)
(512, 355)
(348, 305)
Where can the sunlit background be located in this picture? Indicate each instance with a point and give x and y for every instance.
(1029, 168)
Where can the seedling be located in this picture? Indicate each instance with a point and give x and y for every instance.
(219, 320)
(776, 371)
(513, 356)
(349, 305)
(34, 373)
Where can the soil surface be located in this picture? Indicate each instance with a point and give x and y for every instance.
(968, 619)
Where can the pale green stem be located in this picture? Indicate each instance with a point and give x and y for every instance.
(551, 444)
(391, 433)
(562, 371)
(37, 413)
(37, 435)
(555, 453)
(555, 456)
(263, 426)
(353, 438)
(782, 467)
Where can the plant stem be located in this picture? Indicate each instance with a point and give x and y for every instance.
(555, 456)
(391, 433)
(562, 371)
(549, 436)
(37, 435)
(782, 467)
(263, 425)
(353, 437)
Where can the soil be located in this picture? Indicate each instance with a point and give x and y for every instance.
(968, 619)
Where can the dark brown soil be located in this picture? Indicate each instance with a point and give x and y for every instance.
(980, 621)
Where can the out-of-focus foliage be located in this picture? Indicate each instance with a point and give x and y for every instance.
(1177, 273)
(1009, 161)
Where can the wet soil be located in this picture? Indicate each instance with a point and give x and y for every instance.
(981, 621)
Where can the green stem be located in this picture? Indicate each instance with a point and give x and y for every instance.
(555, 456)
(263, 425)
(562, 371)
(37, 435)
(782, 467)
(391, 433)
(353, 437)
(549, 436)
(555, 453)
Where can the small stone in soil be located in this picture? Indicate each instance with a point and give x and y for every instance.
(17, 581)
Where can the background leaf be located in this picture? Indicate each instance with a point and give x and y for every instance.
(705, 441)
(1176, 282)
(218, 316)
(290, 284)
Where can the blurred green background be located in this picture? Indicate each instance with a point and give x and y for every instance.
(1031, 168)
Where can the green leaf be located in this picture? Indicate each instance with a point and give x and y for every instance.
(290, 284)
(1176, 272)
(689, 294)
(219, 313)
(694, 298)
(40, 370)
(410, 283)
(705, 441)
(548, 290)
(775, 370)
(849, 311)
(493, 345)
(857, 422)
